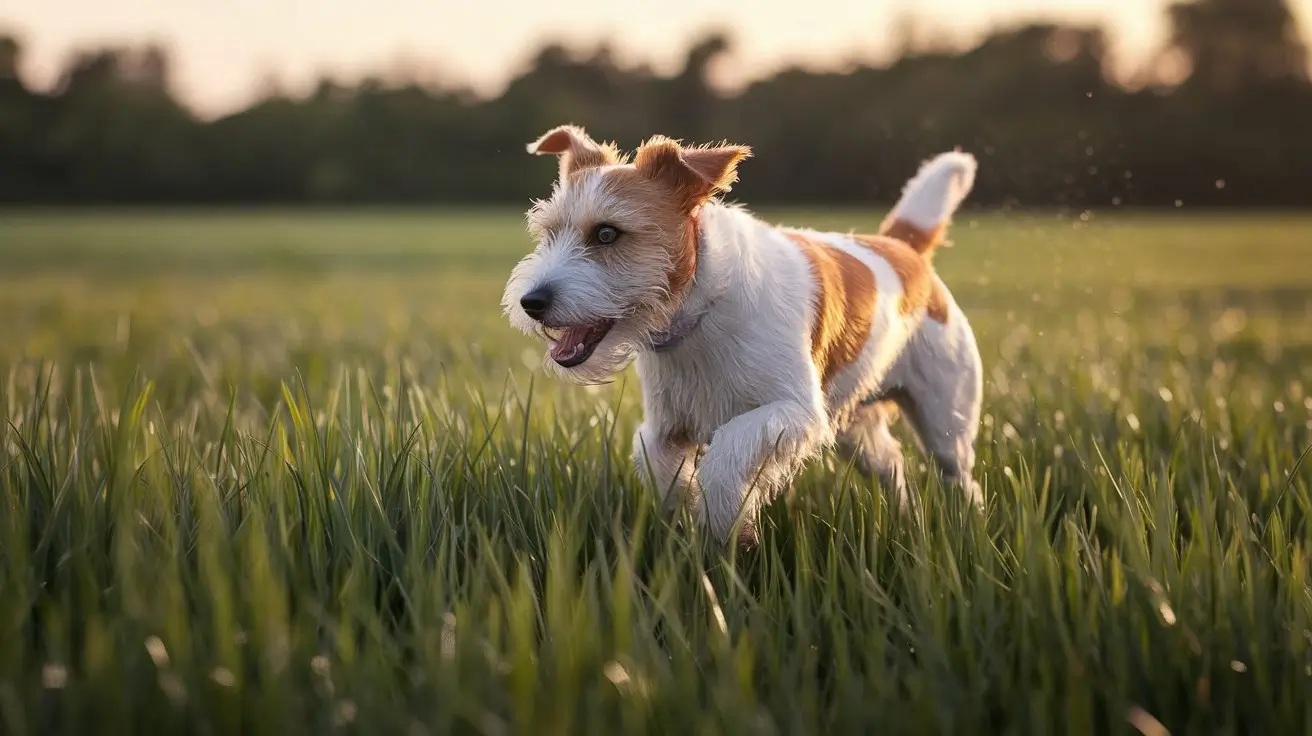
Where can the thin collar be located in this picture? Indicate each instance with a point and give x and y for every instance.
(680, 327)
(683, 323)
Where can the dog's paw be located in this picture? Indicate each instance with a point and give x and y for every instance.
(749, 536)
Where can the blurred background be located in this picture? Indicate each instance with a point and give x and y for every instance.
(1089, 104)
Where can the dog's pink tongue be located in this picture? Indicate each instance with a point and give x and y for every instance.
(570, 344)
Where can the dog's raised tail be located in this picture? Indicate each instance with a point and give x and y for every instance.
(922, 216)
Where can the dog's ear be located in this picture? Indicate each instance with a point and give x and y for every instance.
(696, 174)
(575, 147)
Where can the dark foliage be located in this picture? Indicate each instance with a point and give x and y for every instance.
(1033, 102)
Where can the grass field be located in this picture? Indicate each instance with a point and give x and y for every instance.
(288, 473)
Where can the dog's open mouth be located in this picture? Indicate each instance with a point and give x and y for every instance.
(571, 346)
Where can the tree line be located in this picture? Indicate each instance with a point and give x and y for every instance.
(1034, 102)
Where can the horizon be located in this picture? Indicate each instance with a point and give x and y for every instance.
(221, 58)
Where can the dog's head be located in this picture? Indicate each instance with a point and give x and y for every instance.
(616, 247)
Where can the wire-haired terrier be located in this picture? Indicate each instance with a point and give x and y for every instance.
(758, 346)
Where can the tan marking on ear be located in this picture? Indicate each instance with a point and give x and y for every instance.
(576, 149)
(919, 287)
(844, 305)
(695, 174)
(716, 165)
(921, 241)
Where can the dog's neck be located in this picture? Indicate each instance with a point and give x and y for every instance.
(680, 328)
(694, 305)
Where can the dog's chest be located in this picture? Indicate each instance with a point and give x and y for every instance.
(695, 395)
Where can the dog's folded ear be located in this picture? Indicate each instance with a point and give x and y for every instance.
(698, 173)
(575, 147)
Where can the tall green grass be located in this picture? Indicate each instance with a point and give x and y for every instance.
(243, 495)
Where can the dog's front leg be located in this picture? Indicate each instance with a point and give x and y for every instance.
(665, 459)
(755, 452)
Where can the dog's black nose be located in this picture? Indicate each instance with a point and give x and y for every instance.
(536, 302)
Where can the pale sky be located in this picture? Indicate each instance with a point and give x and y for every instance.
(223, 49)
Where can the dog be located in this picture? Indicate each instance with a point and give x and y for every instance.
(758, 346)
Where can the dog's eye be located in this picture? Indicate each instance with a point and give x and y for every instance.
(607, 234)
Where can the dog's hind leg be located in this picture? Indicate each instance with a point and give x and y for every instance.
(867, 439)
(949, 437)
(939, 391)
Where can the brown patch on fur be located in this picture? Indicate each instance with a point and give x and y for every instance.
(679, 436)
(921, 241)
(694, 174)
(919, 287)
(685, 256)
(845, 305)
(660, 234)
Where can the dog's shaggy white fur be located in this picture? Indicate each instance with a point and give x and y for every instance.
(757, 346)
